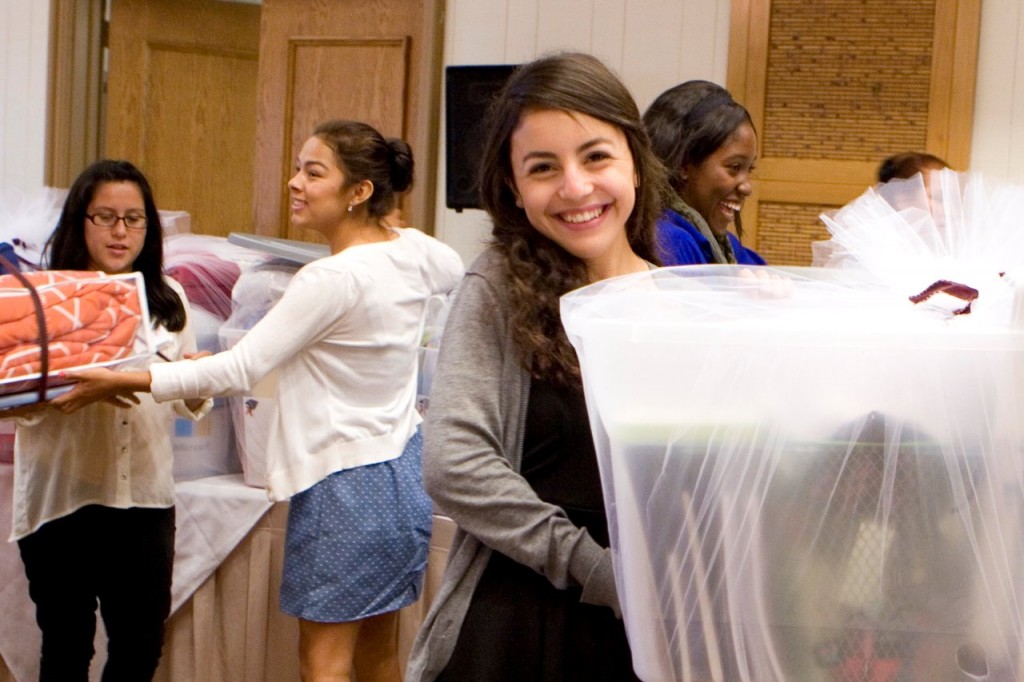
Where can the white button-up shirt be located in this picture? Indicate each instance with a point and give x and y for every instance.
(101, 454)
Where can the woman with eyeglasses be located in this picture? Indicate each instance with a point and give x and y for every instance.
(93, 490)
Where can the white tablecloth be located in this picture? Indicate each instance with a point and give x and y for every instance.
(212, 514)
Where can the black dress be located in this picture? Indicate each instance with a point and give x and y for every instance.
(519, 627)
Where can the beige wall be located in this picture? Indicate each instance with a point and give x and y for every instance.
(651, 43)
(997, 145)
(24, 31)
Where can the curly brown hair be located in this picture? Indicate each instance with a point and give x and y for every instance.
(539, 271)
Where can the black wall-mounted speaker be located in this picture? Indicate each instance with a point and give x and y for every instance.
(469, 91)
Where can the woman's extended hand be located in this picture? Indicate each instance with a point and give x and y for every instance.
(767, 284)
(92, 385)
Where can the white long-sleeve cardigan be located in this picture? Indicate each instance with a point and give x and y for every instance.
(344, 338)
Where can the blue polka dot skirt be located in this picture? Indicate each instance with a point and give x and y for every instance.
(357, 541)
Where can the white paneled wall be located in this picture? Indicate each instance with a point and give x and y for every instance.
(651, 44)
(24, 36)
(997, 146)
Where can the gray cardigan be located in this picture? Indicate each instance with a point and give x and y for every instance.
(473, 441)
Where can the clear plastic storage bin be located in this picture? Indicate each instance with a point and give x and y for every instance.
(806, 478)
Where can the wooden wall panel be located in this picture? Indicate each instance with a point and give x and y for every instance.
(75, 103)
(845, 85)
(794, 228)
(181, 104)
(383, 67)
(346, 59)
(197, 147)
(834, 87)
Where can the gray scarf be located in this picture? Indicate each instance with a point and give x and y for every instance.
(721, 247)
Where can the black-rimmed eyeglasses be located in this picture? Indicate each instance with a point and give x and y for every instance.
(132, 221)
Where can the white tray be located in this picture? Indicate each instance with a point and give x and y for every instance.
(289, 249)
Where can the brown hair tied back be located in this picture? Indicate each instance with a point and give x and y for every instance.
(364, 154)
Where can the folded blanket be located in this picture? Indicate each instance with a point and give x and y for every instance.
(91, 318)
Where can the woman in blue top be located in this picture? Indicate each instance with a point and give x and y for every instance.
(708, 144)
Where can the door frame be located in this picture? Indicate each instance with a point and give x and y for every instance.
(75, 92)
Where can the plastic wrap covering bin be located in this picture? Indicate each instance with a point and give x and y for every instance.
(435, 316)
(80, 319)
(806, 478)
(255, 292)
(207, 268)
(205, 447)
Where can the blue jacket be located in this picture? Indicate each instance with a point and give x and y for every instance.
(681, 243)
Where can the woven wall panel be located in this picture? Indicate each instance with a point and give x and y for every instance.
(787, 230)
(847, 79)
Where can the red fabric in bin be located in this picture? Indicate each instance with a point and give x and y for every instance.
(208, 281)
(90, 318)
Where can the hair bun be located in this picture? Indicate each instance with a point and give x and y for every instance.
(401, 164)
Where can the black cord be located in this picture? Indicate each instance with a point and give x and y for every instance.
(44, 345)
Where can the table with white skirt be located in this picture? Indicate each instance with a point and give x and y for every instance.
(225, 624)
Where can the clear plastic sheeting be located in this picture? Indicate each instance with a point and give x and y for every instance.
(959, 227)
(256, 292)
(807, 476)
(27, 219)
(435, 316)
(208, 267)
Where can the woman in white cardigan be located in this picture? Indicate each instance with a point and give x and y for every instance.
(346, 446)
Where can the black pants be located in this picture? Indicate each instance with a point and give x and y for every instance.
(123, 558)
(521, 628)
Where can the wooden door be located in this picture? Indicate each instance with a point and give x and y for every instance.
(377, 62)
(181, 104)
(836, 86)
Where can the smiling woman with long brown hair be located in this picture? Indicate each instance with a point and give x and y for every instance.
(573, 191)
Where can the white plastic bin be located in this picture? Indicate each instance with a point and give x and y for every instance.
(257, 290)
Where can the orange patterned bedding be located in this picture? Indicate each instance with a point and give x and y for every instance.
(91, 318)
